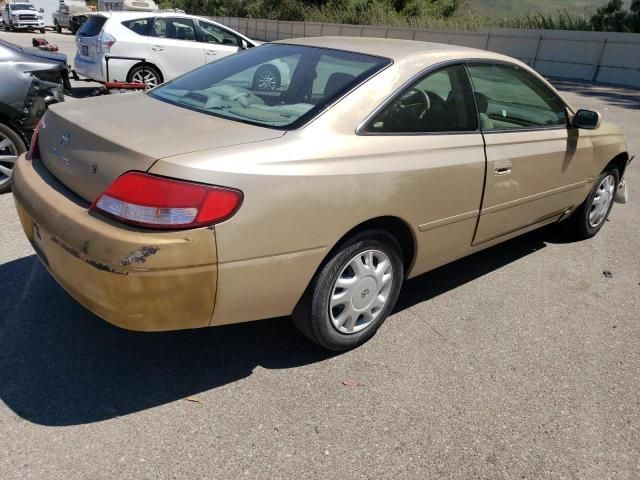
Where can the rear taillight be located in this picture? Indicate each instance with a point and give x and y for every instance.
(106, 42)
(149, 201)
(34, 149)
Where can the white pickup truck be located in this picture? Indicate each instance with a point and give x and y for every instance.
(22, 16)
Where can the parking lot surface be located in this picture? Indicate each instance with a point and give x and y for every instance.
(522, 361)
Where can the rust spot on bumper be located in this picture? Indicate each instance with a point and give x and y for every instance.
(72, 251)
(139, 255)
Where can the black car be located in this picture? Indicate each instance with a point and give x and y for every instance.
(30, 80)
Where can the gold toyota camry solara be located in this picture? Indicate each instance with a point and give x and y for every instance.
(210, 200)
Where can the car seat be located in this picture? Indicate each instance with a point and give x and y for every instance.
(336, 82)
(483, 105)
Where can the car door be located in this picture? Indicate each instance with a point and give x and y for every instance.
(218, 42)
(173, 46)
(431, 130)
(536, 166)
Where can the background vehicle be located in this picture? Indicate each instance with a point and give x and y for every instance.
(22, 16)
(170, 44)
(127, 5)
(383, 159)
(71, 14)
(31, 80)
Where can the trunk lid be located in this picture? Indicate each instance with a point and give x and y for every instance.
(88, 143)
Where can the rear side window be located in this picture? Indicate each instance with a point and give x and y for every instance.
(139, 26)
(174, 28)
(92, 26)
(441, 101)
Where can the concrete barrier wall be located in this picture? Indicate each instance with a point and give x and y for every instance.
(595, 56)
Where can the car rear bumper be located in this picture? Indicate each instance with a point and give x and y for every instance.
(135, 279)
(93, 70)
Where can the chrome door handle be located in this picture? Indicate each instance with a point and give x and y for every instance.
(501, 170)
(156, 48)
(211, 52)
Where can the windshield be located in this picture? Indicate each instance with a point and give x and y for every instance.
(22, 6)
(280, 86)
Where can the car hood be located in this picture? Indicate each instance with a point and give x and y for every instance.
(23, 12)
(88, 143)
(20, 55)
(40, 54)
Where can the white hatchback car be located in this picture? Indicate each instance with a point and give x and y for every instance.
(153, 47)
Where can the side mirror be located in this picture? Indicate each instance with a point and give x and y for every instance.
(41, 10)
(587, 119)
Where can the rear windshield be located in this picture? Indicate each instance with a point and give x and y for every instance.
(280, 86)
(92, 26)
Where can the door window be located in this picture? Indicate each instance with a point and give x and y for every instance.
(174, 28)
(211, 33)
(509, 97)
(139, 26)
(441, 101)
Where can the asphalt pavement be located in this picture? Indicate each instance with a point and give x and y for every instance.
(520, 362)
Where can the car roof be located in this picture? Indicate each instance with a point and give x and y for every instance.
(130, 15)
(395, 49)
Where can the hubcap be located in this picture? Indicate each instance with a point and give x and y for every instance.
(602, 201)
(149, 78)
(266, 80)
(8, 157)
(361, 291)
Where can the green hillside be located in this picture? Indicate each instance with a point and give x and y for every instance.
(526, 7)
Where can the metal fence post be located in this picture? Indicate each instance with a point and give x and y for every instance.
(486, 43)
(596, 67)
(535, 55)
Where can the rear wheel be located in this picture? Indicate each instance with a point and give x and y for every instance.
(11, 146)
(148, 75)
(591, 216)
(353, 293)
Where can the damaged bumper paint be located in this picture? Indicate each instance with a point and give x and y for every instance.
(133, 278)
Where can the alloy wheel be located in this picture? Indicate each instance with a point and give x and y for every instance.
(8, 156)
(602, 201)
(148, 77)
(361, 291)
(267, 80)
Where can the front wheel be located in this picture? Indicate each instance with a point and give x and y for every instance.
(353, 293)
(591, 216)
(57, 27)
(42, 30)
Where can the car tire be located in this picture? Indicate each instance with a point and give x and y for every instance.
(43, 31)
(353, 293)
(57, 27)
(148, 75)
(590, 217)
(266, 79)
(11, 145)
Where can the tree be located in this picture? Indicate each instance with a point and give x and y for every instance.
(614, 18)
